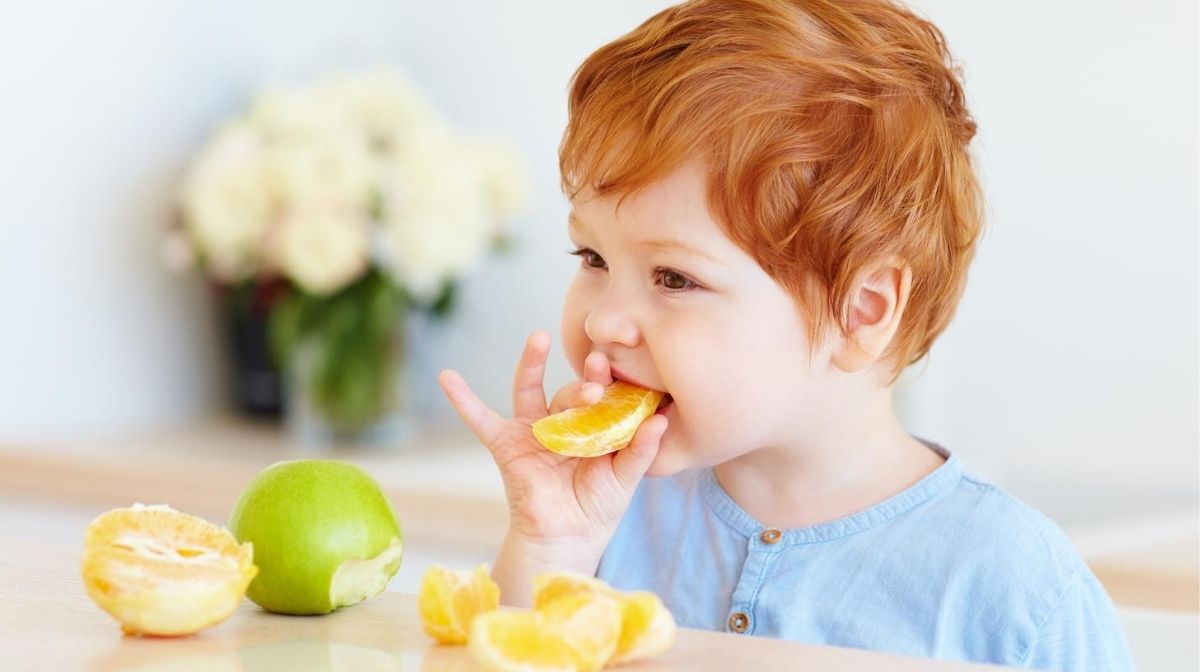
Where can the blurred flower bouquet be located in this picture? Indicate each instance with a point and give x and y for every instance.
(334, 210)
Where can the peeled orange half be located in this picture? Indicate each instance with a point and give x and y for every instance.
(450, 600)
(162, 572)
(599, 429)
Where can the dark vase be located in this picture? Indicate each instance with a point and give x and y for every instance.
(258, 386)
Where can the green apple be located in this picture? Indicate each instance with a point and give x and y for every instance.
(324, 534)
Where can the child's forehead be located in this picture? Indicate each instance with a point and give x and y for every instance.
(673, 206)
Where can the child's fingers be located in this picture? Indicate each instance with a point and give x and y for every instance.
(529, 394)
(596, 369)
(483, 421)
(576, 393)
(589, 393)
(630, 464)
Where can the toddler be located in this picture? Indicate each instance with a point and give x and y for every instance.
(774, 209)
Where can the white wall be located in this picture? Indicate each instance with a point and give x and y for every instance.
(1074, 353)
(104, 102)
(1075, 350)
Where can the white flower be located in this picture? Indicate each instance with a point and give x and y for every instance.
(436, 220)
(296, 115)
(228, 203)
(381, 105)
(321, 182)
(322, 247)
(326, 185)
(335, 167)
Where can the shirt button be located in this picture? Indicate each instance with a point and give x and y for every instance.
(771, 536)
(739, 622)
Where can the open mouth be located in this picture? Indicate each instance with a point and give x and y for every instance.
(665, 404)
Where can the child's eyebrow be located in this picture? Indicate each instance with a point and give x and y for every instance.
(681, 247)
(658, 245)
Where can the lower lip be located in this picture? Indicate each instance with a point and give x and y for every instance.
(663, 410)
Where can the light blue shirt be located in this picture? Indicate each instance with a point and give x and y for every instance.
(952, 567)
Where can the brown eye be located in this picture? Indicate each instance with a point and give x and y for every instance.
(589, 258)
(673, 281)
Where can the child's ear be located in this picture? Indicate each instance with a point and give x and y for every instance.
(876, 306)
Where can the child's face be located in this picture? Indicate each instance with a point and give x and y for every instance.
(707, 326)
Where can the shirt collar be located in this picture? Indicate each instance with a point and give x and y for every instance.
(940, 480)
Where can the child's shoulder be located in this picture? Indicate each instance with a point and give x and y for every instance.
(1000, 546)
(994, 520)
(1015, 568)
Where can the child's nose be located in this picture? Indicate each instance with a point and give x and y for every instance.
(610, 322)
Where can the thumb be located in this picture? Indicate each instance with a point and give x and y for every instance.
(630, 465)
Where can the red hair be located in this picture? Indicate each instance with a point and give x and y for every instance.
(835, 135)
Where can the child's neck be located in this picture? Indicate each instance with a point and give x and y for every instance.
(862, 457)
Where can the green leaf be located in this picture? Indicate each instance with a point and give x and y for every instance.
(285, 328)
(349, 340)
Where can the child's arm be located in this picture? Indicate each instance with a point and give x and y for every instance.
(562, 510)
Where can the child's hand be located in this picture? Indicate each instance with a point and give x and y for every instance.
(556, 502)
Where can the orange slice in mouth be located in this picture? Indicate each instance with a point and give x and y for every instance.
(604, 427)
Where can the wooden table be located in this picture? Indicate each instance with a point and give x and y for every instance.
(47, 622)
(451, 503)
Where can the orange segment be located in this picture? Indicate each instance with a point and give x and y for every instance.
(604, 427)
(450, 600)
(162, 572)
(647, 628)
(577, 633)
(590, 623)
(550, 586)
(528, 641)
